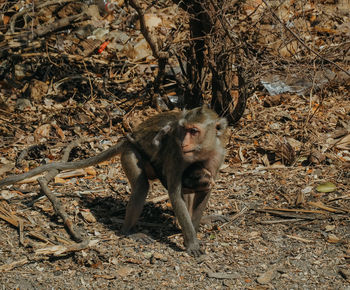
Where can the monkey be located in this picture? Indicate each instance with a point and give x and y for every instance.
(194, 136)
(171, 147)
(197, 178)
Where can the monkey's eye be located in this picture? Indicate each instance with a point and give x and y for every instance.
(193, 131)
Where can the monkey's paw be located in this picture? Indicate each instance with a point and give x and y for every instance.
(141, 238)
(194, 251)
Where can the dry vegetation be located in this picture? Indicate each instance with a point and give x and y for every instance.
(69, 71)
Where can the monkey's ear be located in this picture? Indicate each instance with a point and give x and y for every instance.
(221, 126)
(182, 117)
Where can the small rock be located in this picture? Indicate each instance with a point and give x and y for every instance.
(88, 217)
(124, 271)
(307, 189)
(267, 277)
(161, 257)
(223, 275)
(329, 228)
(333, 239)
(148, 255)
(23, 104)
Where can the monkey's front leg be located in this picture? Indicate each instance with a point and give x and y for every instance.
(179, 206)
(199, 203)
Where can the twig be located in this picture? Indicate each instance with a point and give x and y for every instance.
(287, 214)
(70, 57)
(292, 210)
(320, 205)
(59, 24)
(43, 181)
(161, 56)
(58, 250)
(38, 7)
(236, 216)
(302, 42)
(149, 38)
(281, 221)
(299, 239)
(52, 250)
(9, 267)
(24, 153)
(22, 38)
(58, 208)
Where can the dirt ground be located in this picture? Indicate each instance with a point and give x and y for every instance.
(281, 232)
(284, 188)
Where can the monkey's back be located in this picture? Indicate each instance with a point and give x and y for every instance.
(146, 132)
(153, 139)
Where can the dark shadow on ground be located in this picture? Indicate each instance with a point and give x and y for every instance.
(160, 222)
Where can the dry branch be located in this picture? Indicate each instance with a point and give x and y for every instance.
(59, 24)
(161, 56)
(29, 10)
(54, 168)
(149, 38)
(236, 216)
(302, 42)
(59, 210)
(103, 156)
(45, 252)
(58, 250)
(10, 266)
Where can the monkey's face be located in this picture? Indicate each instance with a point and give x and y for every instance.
(198, 141)
(200, 134)
(191, 138)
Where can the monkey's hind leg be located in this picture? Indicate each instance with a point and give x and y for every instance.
(133, 165)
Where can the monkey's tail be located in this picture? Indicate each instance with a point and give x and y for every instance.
(103, 156)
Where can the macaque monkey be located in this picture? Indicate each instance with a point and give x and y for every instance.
(184, 150)
(197, 178)
(190, 138)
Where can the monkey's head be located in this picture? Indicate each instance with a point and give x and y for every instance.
(201, 131)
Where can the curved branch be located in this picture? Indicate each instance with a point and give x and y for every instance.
(103, 156)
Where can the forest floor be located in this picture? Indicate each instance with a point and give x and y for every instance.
(288, 234)
(284, 188)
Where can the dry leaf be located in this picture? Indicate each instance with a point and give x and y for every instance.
(59, 180)
(88, 216)
(333, 239)
(91, 171)
(286, 153)
(6, 167)
(344, 143)
(42, 131)
(152, 21)
(124, 271)
(59, 131)
(326, 187)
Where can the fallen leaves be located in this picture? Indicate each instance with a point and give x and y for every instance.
(326, 187)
